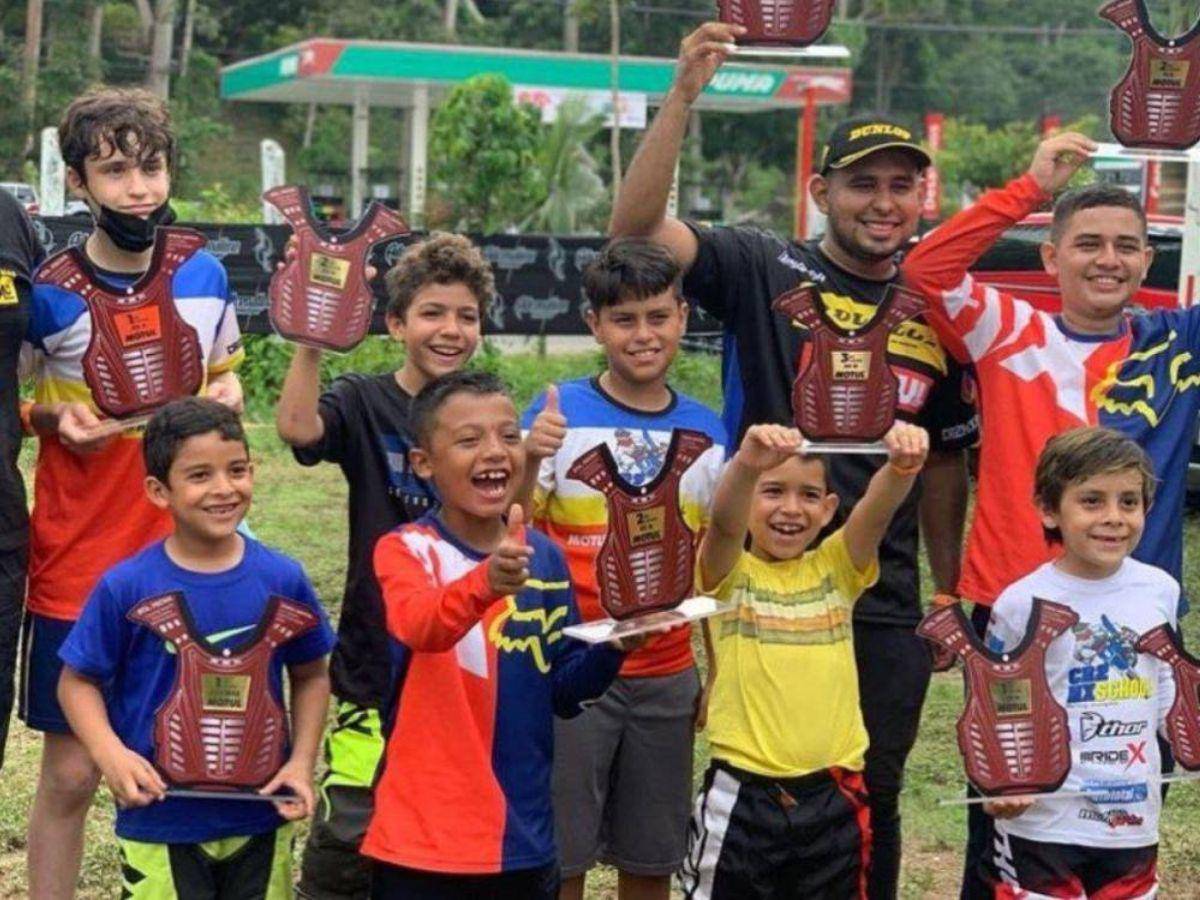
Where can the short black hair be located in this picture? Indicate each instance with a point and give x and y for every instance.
(422, 415)
(1091, 197)
(183, 419)
(630, 269)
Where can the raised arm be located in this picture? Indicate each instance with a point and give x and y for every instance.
(763, 448)
(908, 445)
(296, 417)
(641, 207)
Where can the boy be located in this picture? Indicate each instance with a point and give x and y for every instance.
(1092, 489)
(868, 188)
(120, 674)
(785, 656)
(89, 511)
(437, 293)
(623, 769)
(1093, 363)
(477, 607)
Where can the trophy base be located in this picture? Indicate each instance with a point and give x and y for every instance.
(196, 794)
(691, 610)
(782, 51)
(110, 427)
(1157, 154)
(812, 448)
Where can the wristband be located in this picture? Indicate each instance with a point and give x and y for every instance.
(905, 471)
(26, 418)
(941, 600)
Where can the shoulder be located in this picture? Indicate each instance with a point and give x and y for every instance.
(691, 413)
(1152, 578)
(277, 565)
(202, 275)
(352, 384)
(1016, 600)
(135, 576)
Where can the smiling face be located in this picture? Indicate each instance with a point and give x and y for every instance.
(872, 205)
(439, 330)
(640, 337)
(208, 489)
(1100, 520)
(125, 183)
(792, 503)
(1099, 260)
(474, 455)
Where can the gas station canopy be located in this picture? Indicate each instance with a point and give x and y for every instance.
(362, 74)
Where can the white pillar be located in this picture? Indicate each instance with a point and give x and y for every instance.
(1189, 257)
(54, 174)
(359, 134)
(274, 173)
(418, 156)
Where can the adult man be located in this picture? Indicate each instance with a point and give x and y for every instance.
(20, 253)
(869, 190)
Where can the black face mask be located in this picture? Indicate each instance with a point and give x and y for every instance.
(133, 234)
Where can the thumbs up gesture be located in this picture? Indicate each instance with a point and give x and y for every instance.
(549, 428)
(508, 566)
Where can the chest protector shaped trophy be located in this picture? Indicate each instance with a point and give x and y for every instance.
(321, 296)
(1013, 734)
(221, 727)
(649, 553)
(1183, 718)
(846, 392)
(794, 22)
(1157, 103)
(141, 354)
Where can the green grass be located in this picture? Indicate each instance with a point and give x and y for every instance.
(303, 512)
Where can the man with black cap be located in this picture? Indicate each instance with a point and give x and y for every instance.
(869, 189)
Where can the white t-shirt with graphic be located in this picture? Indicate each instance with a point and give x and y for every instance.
(1115, 698)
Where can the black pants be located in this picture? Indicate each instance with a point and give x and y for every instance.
(893, 676)
(12, 602)
(398, 883)
(981, 832)
(1066, 870)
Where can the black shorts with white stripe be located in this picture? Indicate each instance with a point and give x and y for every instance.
(1042, 870)
(752, 836)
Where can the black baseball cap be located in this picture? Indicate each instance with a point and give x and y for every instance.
(857, 138)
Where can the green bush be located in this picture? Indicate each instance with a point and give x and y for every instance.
(527, 374)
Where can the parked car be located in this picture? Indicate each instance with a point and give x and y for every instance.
(75, 207)
(24, 193)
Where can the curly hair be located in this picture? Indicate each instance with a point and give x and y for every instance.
(130, 120)
(441, 258)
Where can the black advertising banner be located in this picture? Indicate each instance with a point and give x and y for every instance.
(538, 277)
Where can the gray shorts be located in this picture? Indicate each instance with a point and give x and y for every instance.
(623, 777)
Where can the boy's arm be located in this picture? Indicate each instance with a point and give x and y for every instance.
(938, 266)
(297, 417)
(582, 672)
(432, 618)
(309, 683)
(546, 429)
(226, 388)
(763, 447)
(908, 445)
(943, 514)
(131, 778)
(710, 676)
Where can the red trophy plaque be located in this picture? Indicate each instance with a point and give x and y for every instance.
(844, 396)
(1183, 719)
(790, 23)
(1157, 102)
(1012, 733)
(321, 297)
(141, 354)
(646, 565)
(221, 728)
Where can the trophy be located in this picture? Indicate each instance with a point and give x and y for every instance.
(646, 565)
(221, 731)
(141, 354)
(776, 28)
(321, 298)
(1183, 719)
(844, 397)
(1013, 734)
(1157, 102)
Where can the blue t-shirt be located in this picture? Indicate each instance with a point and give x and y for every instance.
(137, 668)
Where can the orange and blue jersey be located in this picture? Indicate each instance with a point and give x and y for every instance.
(576, 516)
(90, 510)
(1037, 378)
(464, 787)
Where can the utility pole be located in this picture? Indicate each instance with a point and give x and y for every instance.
(571, 26)
(614, 15)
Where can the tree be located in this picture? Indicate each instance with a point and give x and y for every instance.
(484, 149)
(575, 194)
(158, 76)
